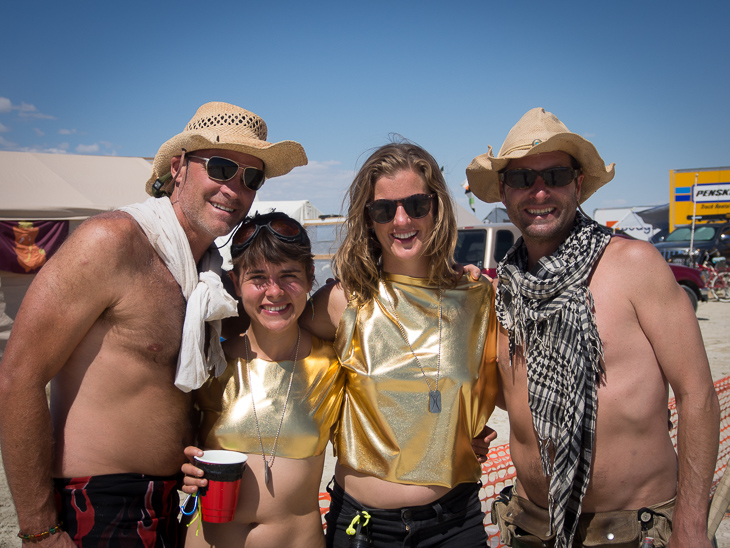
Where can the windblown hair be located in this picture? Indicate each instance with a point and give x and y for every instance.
(358, 262)
(267, 248)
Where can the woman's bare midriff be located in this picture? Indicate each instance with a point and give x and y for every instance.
(284, 513)
(378, 493)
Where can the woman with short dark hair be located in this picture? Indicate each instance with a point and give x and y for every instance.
(277, 399)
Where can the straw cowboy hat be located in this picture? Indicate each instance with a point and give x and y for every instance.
(226, 127)
(537, 132)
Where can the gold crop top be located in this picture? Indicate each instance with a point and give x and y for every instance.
(386, 429)
(314, 405)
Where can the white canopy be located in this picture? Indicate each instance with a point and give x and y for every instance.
(300, 210)
(464, 217)
(37, 186)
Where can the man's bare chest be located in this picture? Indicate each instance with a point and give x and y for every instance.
(149, 315)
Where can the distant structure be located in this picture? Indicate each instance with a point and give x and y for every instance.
(631, 220)
(497, 215)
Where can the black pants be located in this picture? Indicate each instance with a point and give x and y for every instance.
(454, 520)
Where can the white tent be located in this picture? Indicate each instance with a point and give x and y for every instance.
(43, 187)
(628, 219)
(39, 186)
(464, 217)
(301, 210)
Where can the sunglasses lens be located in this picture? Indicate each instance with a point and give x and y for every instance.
(525, 178)
(520, 178)
(253, 178)
(382, 211)
(221, 169)
(417, 206)
(558, 176)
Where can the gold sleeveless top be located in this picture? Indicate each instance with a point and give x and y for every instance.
(386, 429)
(314, 405)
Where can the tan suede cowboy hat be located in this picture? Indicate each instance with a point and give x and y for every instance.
(226, 127)
(537, 132)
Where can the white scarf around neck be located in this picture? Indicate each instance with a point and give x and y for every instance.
(207, 299)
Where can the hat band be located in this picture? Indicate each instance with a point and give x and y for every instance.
(520, 147)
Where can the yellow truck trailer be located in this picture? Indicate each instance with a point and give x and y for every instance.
(702, 193)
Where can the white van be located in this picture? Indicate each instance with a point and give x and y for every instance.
(485, 245)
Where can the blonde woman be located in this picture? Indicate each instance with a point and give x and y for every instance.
(417, 345)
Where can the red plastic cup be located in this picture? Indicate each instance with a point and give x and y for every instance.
(223, 470)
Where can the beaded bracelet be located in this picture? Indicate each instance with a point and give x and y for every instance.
(44, 534)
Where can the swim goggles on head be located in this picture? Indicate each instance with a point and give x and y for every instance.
(280, 225)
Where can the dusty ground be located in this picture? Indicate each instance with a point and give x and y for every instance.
(714, 321)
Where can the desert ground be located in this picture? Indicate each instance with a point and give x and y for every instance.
(714, 319)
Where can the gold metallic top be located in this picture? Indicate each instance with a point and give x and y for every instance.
(314, 405)
(386, 429)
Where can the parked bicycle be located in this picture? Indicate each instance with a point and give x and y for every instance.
(715, 272)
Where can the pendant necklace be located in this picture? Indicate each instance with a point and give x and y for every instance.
(434, 394)
(268, 464)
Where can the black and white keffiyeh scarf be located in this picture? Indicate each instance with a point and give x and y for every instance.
(549, 312)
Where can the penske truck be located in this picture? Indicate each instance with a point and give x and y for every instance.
(700, 195)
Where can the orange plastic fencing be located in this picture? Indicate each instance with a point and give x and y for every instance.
(498, 471)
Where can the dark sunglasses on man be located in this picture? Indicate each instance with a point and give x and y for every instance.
(224, 169)
(283, 227)
(416, 206)
(524, 178)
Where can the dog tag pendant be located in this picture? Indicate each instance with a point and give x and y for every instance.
(434, 401)
(267, 473)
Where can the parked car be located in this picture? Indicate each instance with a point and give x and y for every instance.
(486, 245)
(659, 236)
(707, 238)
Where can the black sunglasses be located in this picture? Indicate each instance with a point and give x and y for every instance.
(416, 206)
(223, 169)
(525, 178)
(280, 225)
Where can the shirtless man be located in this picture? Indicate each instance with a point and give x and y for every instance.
(105, 321)
(585, 372)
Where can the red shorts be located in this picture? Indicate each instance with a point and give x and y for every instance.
(120, 510)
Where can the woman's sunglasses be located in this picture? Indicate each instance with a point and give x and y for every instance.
(525, 178)
(416, 206)
(281, 226)
(223, 169)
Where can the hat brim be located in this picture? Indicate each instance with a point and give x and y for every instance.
(483, 172)
(278, 158)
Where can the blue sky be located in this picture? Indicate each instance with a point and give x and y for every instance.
(646, 82)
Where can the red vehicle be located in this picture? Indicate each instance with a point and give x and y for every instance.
(691, 281)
